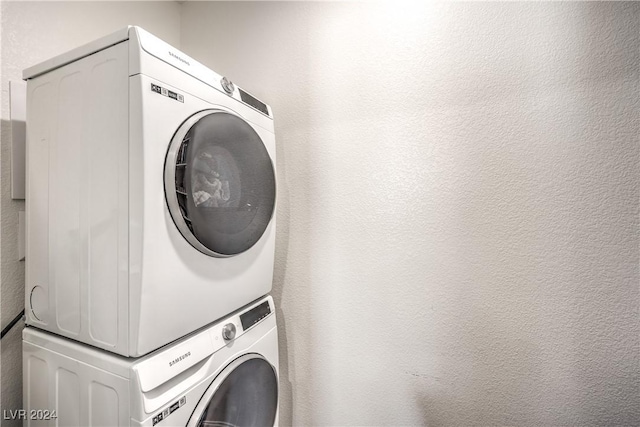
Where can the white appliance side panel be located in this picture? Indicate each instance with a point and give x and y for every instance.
(137, 166)
(36, 393)
(40, 113)
(107, 199)
(77, 210)
(68, 392)
(67, 174)
(106, 406)
(181, 289)
(75, 54)
(73, 393)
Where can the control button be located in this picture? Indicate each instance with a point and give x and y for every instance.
(229, 331)
(227, 85)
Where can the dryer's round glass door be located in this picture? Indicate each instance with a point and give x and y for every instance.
(219, 183)
(247, 396)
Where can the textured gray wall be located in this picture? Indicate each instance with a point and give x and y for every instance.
(32, 32)
(458, 209)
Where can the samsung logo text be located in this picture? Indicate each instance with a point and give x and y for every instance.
(178, 359)
(179, 58)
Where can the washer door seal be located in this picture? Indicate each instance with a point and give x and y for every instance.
(219, 183)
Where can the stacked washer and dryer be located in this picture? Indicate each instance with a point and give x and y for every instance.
(150, 242)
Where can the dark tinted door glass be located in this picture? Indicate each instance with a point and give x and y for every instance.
(248, 397)
(225, 183)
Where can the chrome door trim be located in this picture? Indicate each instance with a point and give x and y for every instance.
(170, 181)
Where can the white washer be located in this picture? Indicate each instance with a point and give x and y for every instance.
(204, 379)
(150, 194)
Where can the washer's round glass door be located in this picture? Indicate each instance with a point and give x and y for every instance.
(245, 394)
(219, 183)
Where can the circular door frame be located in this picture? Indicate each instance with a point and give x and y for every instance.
(203, 403)
(170, 181)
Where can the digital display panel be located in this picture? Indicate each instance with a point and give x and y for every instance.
(258, 105)
(255, 315)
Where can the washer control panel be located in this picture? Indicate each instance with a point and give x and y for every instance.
(160, 366)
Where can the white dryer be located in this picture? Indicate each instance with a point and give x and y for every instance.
(210, 378)
(150, 194)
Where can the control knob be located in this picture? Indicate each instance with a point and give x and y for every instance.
(227, 85)
(229, 331)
